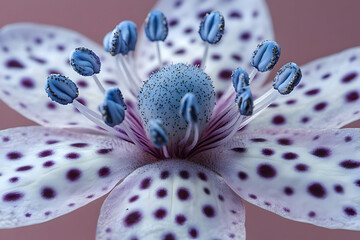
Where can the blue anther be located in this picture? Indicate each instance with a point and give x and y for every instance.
(158, 135)
(156, 26)
(240, 79)
(113, 108)
(85, 62)
(189, 108)
(245, 102)
(212, 27)
(287, 78)
(117, 44)
(106, 41)
(129, 33)
(61, 89)
(265, 56)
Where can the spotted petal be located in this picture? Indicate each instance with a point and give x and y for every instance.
(29, 53)
(247, 22)
(46, 172)
(172, 199)
(308, 176)
(327, 97)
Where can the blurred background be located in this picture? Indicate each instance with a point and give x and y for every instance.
(305, 30)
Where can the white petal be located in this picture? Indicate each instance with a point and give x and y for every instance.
(172, 199)
(48, 172)
(307, 176)
(29, 53)
(328, 96)
(247, 23)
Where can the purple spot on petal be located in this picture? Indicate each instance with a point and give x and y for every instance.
(225, 74)
(236, 57)
(290, 156)
(164, 175)
(278, 120)
(145, 183)
(50, 142)
(352, 96)
(235, 14)
(45, 153)
(132, 218)
(79, 145)
(160, 213)
(239, 150)
(173, 22)
(24, 168)
(60, 48)
(321, 152)
(339, 189)
(161, 193)
(6, 139)
(104, 150)
(301, 167)
(12, 196)
(312, 92)
(351, 212)
(320, 106)
(73, 174)
(48, 193)
(180, 51)
(48, 164)
(288, 191)
(13, 63)
(348, 139)
(242, 175)
(104, 172)
(133, 198)
(72, 156)
(266, 171)
(180, 219)
(38, 60)
(184, 174)
(14, 155)
(202, 176)
(317, 190)
(267, 152)
(258, 140)
(188, 30)
(13, 179)
(245, 36)
(284, 141)
(193, 233)
(350, 164)
(349, 77)
(27, 83)
(208, 211)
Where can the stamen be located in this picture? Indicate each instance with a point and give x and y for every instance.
(211, 30)
(159, 137)
(264, 58)
(113, 108)
(286, 79)
(240, 79)
(128, 31)
(156, 29)
(189, 112)
(245, 102)
(86, 63)
(117, 44)
(64, 91)
(61, 89)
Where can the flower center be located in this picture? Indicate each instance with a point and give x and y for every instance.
(162, 93)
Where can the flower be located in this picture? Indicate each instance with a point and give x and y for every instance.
(259, 180)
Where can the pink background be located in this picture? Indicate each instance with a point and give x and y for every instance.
(305, 29)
